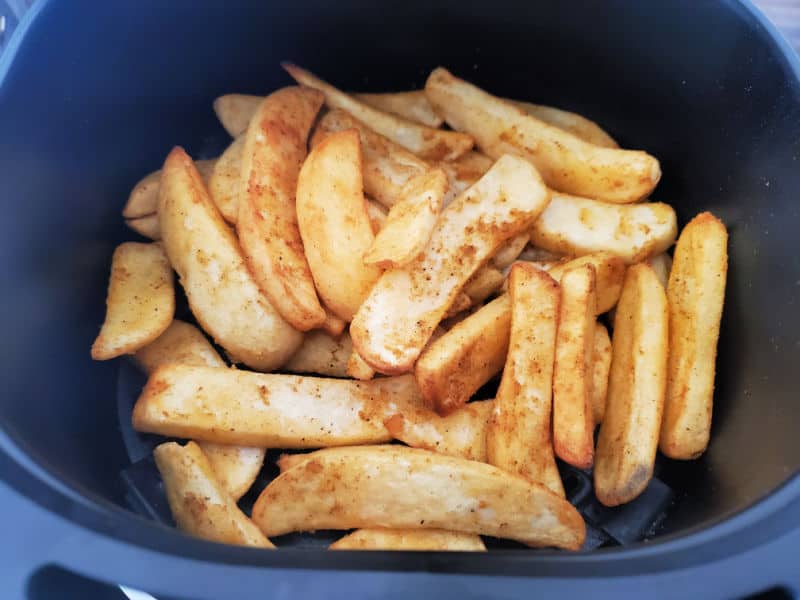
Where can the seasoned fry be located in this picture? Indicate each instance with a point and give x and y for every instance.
(395, 322)
(600, 370)
(222, 294)
(274, 150)
(571, 122)
(147, 226)
(463, 172)
(696, 292)
(199, 503)
(228, 406)
(412, 106)
(410, 222)
(662, 265)
(358, 369)
(143, 200)
(235, 110)
(483, 284)
(576, 226)
(567, 163)
(334, 224)
(140, 303)
(333, 325)
(411, 488)
(321, 354)
(510, 251)
(377, 215)
(626, 446)
(437, 540)
(461, 303)
(224, 184)
(426, 142)
(573, 419)
(610, 271)
(518, 439)
(236, 467)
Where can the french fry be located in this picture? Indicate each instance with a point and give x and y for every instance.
(567, 163)
(403, 308)
(410, 222)
(236, 467)
(377, 215)
(461, 303)
(662, 265)
(224, 184)
(571, 122)
(576, 226)
(412, 106)
(321, 354)
(600, 370)
(610, 271)
(334, 224)
(518, 438)
(573, 372)
(147, 226)
(235, 110)
(436, 540)
(228, 406)
(387, 167)
(426, 142)
(199, 503)
(463, 172)
(510, 251)
(696, 292)
(140, 303)
(222, 294)
(357, 368)
(143, 200)
(454, 367)
(626, 446)
(333, 325)
(483, 284)
(274, 150)
(411, 488)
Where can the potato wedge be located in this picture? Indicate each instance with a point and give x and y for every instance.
(425, 142)
(600, 370)
(228, 406)
(610, 271)
(224, 184)
(199, 503)
(140, 303)
(411, 488)
(571, 122)
(387, 167)
(321, 354)
(510, 251)
(357, 368)
(566, 162)
(576, 226)
(236, 467)
(463, 172)
(377, 215)
(404, 307)
(334, 224)
(696, 292)
(410, 222)
(147, 226)
(573, 371)
(626, 446)
(235, 110)
(274, 150)
(453, 368)
(143, 200)
(483, 284)
(222, 294)
(518, 438)
(333, 325)
(461, 433)
(412, 106)
(461, 303)
(432, 540)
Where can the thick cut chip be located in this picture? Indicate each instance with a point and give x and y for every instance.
(483, 284)
(333, 325)
(626, 446)
(222, 294)
(518, 439)
(426, 142)
(358, 369)
(571, 122)
(463, 172)
(143, 201)
(224, 185)
(600, 370)
(610, 272)
(412, 106)
(235, 110)
(199, 502)
(140, 303)
(566, 162)
(322, 354)
(432, 540)
(510, 251)
(147, 226)
(662, 265)
(236, 467)
(696, 292)
(274, 151)
(412, 488)
(404, 307)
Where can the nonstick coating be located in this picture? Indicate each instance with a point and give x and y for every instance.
(95, 94)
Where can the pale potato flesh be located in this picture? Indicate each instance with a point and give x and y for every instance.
(236, 467)
(357, 368)
(432, 540)
(412, 106)
(571, 122)
(224, 184)
(696, 292)
(566, 162)
(377, 215)
(147, 226)
(518, 439)
(143, 201)
(235, 110)
(406, 304)
(222, 294)
(274, 151)
(140, 303)
(322, 354)
(483, 284)
(425, 142)
(626, 446)
(412, 488)
(510, 251)
(463, 172)
(199, 502)
(600, 371)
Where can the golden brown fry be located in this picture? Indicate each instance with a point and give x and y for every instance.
(461, 303)
(412, 106)
(518, 439)
(235, 110)
(411, 488)
(483, 284)
(463, 172)
(600, 370)
(199, 503)
(274, 150)
(571, 122)
(143, 201)
(626, 446)
(610, 272)
(140, 303)
(426, 142)
(573, 420)
(147, 226)
(358, 369)
(696, 292)
(510, 251)
(432, 540)
(236, 467)
(321, 354)
(333, 325)
(224, 184)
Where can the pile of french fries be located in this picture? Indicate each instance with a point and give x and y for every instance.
(370, 271)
